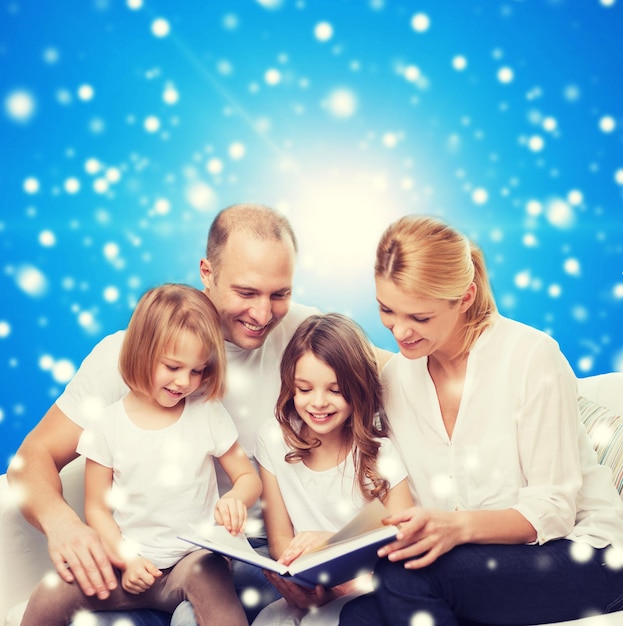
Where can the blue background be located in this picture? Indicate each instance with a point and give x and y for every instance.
(126, 125)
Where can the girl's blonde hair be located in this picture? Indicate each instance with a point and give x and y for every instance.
(340, 343)
(424, 256)
(160, 317)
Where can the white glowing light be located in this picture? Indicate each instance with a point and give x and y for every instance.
(201, 196)
(459, 62)
(214, 166)
(575, 197)
(529, 240)
(46, 363)
(412, 73)
(617, 291)
(422, 618)
(506, 75)
(5, 329)
(100, 185)
(111, 251)
(51, 56)
(270, 4)
(572, 93)
(92, 166)
(522, 279)
(86, 92)
(162, 206)
(480, 196)
(554, 291)
(170, 95)
(572, 266)
(534, 207)
(20, 105)
(585, 364)
(536, 143)
(86, 319)
(47, 238)
(63, 371)
(72, 185)
(31, 280)
(618, 176)
(442, 485)
(250, 597)
(559, 213)
(389, 140)
(113, 175)
(135, 5)
(111, 294)
(420, 22)
(323, 31)
(151, 124)
(31, 185)
(550, 124)
(272, 77)
(607, 3)
(607, 124)
(237, 150)
(160, 27)
(341, 103)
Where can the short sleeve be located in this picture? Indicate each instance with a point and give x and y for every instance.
(222, 428)
(389, 463)
(96, 384)
(94, 444)
(269, 442)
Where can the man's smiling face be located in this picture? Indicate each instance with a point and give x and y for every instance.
(251, 289)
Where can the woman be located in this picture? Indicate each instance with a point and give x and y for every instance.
(516, 522)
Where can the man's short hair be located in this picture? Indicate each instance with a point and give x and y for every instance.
(257, 219)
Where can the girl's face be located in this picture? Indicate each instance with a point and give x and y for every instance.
(317, 397)
(177, 373)
(421, 326)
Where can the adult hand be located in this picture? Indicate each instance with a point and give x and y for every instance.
(139, 575)
(300, 597)
(231, 512)
(303, 542)
(424, 533)
(78, 555)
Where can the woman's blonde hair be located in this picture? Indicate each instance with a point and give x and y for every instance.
(424, 256)
(340, 343)
(160, 317)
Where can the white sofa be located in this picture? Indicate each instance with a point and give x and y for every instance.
(23, 550)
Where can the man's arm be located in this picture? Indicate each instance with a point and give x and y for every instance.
(74, 548)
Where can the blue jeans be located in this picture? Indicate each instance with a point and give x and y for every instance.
(252, 587)
(493, 584)
(144, 617)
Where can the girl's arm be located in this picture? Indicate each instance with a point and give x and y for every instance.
(231, 509)
(97, 485)
(399, 497)
(279, 528)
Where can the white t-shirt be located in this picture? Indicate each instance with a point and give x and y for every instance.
(518, 441)
(325, 500)
(162, 479)
(253, 384)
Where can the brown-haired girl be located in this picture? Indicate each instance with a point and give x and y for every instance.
(325, 456)
(150, 471)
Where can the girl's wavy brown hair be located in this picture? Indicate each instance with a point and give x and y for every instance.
(339, 342)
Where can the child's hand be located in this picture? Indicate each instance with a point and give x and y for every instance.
(305, 541)
(231, 513)
(139, 575)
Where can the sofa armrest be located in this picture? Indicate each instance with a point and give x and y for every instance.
(23, 549)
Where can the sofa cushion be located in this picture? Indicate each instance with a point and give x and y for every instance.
(605, 429)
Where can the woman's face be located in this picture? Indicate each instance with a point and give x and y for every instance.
(421, 326)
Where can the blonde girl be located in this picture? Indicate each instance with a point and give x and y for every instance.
(324, 456)
(150, 470)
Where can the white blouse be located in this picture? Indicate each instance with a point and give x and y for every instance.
(517, 443)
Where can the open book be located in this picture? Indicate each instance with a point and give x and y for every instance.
(345, 555)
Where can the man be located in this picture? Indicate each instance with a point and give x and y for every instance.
(247, 273)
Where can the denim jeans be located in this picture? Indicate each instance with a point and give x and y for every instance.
(253, 588)
(144, 617)
(495, 584)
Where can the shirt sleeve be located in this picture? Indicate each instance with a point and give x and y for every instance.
(390, 464)
(269, 441)
(222, 427)
(547, 426)
(96, 384)
(94, 443)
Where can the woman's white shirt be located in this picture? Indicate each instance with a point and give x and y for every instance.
(517, 443)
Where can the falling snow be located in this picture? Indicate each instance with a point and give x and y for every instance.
(342, 115)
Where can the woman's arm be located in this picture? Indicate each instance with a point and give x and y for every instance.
(231, 509)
